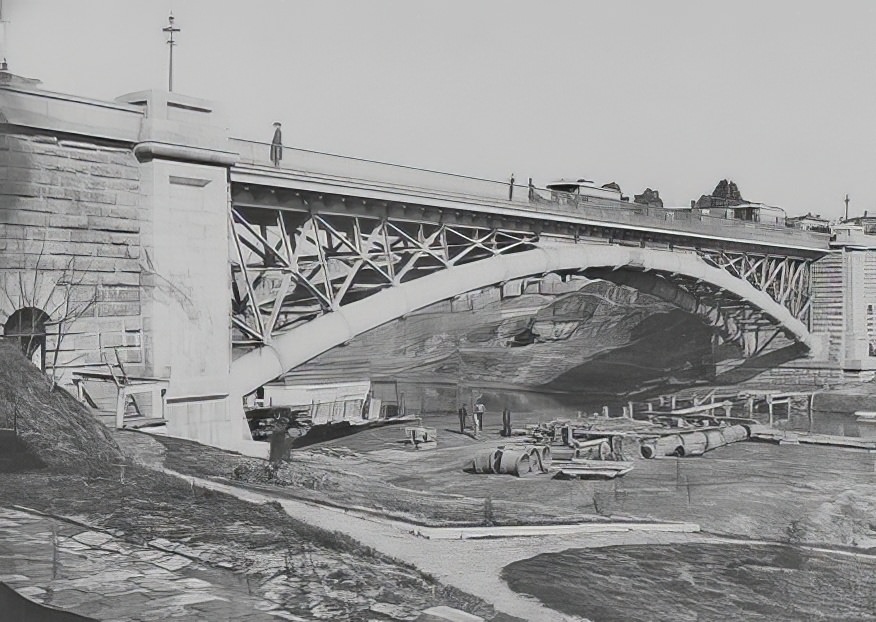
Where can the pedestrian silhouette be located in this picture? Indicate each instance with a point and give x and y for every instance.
(511, 188)
(277, 145)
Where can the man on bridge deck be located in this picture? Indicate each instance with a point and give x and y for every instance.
(277, 145)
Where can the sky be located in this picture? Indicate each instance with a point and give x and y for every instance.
(675, 95)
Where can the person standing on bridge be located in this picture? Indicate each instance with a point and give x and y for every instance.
(511, 188)
(277, 145)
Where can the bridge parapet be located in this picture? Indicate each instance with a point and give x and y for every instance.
(304, 169)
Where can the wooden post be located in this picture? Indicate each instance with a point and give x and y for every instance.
(650, 406)
(672, 402)
(605, 411)
(749, 406)
(120, 407)
(810, 408)
(630, 409)
(769, 400)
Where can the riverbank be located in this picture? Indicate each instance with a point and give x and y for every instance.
(276, 565)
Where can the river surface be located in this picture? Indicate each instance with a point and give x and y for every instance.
(699, 582)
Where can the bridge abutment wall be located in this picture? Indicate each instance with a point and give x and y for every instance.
(70, 242)
(125, 202)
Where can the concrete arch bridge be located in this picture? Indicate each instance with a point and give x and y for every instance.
(214, 270)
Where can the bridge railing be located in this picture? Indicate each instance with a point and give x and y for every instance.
(489, 192)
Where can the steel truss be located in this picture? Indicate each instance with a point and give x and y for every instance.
(736, 320)
(785, 279)
(289, 267)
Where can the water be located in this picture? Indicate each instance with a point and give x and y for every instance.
(697, 582)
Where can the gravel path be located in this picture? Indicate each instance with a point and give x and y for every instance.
(471, 565)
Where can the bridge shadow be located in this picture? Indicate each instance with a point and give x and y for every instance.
(755, 366)
(666, 351)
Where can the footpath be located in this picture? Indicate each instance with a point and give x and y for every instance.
(472, 565)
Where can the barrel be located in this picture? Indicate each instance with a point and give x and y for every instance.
(648, 448)
(693, 444)
(735, 433)
(515, 462)
(670, 445)
(715, 438)
(539, 458)
(484, 462)
(546, 458)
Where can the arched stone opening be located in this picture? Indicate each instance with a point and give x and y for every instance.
(28, 325)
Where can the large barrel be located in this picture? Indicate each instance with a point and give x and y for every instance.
(715, 438)
(484, 462)
(735, 433)
(670, 445)
(546, 458)
(515, 462)
(648, 448)
(539, 458)
(693, 444)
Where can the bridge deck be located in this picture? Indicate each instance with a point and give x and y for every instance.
(322, 172)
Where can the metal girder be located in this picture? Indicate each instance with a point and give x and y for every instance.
(785, 279)
(289, 267)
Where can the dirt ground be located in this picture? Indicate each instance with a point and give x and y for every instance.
(320, 570)
(749, 489)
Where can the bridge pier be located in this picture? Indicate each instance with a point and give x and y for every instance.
(185, 282)
(843, 303)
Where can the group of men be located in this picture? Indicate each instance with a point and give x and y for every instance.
(477, 419)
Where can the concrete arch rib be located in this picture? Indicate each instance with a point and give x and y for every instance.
(301, 344)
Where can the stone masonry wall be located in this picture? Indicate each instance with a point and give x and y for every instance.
(70, 232)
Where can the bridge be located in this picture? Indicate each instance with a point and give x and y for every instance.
(214, 271)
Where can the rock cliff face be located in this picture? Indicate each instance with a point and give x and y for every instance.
(649, 197)
(726, 193)
(586, 337)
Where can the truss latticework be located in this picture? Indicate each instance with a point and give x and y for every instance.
(289, 267)
(785, 279)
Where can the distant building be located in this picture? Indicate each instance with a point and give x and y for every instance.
(811, 222)
(868, 223)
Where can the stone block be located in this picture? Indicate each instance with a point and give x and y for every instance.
(108, 223)
(118, 309)
(21, 189)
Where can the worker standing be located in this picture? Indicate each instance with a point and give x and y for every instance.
(506, 422)
(479, 410)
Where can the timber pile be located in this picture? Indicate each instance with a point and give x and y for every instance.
(49, 422)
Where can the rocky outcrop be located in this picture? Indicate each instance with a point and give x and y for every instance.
(725, 194)
(598, 337)
(649, 197)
